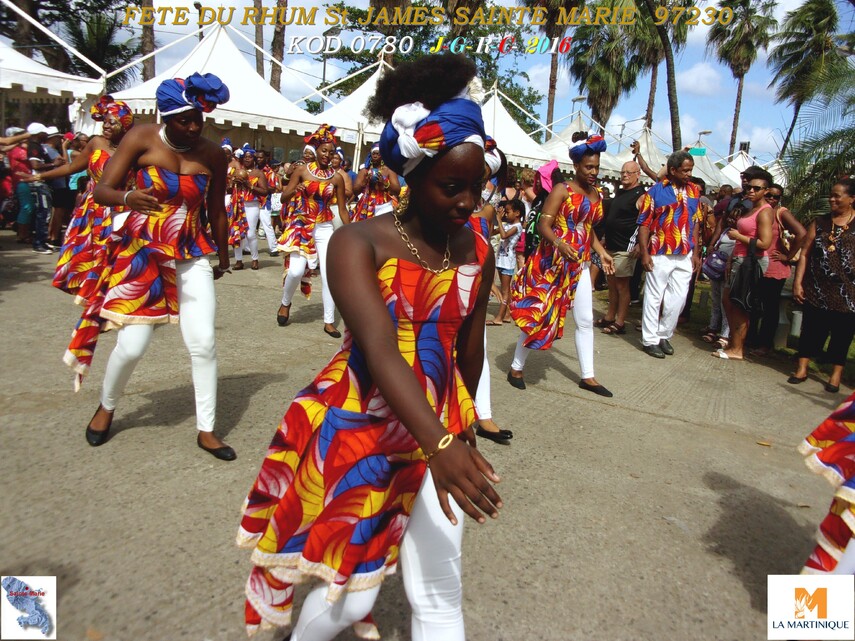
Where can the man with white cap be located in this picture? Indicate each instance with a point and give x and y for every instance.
(13, 136)
(42, 200)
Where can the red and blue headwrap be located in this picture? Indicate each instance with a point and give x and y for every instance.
(491, 155)
(324, 134)
(247, 150)
(415, 133)
(199, 92)
(595, 144)
(116, 108)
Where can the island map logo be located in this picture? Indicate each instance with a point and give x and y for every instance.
(27, 607)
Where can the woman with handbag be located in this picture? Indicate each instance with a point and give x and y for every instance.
(715, 268)
(788, 235)
(753, 236)
(824, 284)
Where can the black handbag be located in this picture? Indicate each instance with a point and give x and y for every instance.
(745, 287)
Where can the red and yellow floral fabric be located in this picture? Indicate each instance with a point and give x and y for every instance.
(138, 283)
(375, 193)
(671, 215)
(543, 292)
(84, 252)
(830, 452)
(336, 488)
(309, 205)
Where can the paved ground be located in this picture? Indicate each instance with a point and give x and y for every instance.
(653, 515)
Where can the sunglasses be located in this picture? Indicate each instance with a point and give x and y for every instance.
(773, 196)
(755, 188)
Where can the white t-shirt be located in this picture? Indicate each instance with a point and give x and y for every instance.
(506, 256)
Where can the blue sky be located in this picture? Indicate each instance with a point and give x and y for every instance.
(707, 91)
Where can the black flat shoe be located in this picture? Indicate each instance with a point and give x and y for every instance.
(334, 333)
(654, 351)
(795, 380)
(98, 437)
(519, 383)
(832, 389)
(224, 453)
(596, 389)
(666, 347)
(281, 320)
(502, 436)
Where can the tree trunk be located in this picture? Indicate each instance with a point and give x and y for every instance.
(147, 45)
(676, 136)
(651, 97)
(790, 132)
(259, 40)
(740, 81)
(23, 29)
(277, 48)
(553, 84)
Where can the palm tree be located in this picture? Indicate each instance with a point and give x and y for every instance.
(805, 46)
(147, 46)
(599, 60)
(259, 40)
(277, 48)
(552, 30)
(647, 48)
(96, 36)
(736, 45)
(670, 71)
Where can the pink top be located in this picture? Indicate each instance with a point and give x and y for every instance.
(777, 269)
(747, 226)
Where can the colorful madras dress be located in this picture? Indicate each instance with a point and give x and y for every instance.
(543, 292)
(238, 225)
(137, 286)
(309, 205)
(336, 488)
(830, 452)
(84, 249)
(375, 194)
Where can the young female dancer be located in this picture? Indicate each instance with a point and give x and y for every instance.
(377, 186)
(556, 275)
(389, 419)
(310, 223)
(159, 271)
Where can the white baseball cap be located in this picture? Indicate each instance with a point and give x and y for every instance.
(36, 128)
(52, 131)
(13, 131)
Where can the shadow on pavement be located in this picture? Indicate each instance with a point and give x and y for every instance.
(175, 405)
(756, 533)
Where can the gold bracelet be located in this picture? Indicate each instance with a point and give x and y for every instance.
(444, 442)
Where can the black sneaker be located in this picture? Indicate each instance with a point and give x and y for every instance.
(654, 351)
(42, 249)
(666, 347)
(54, 246)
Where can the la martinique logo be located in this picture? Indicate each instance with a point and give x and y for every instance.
(816, 603)
(811, 607)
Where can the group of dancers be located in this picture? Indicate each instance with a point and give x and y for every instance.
(362, 467)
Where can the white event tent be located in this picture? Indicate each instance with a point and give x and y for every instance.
(253, 103)
(705, 168)
(652, 155)
(738, 163)
(516, 144)
(558, 145)
(22, 78)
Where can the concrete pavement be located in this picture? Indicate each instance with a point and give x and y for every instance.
(652, 515)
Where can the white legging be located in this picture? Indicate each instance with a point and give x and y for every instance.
(583, 316)
(483, 405)
(297, 267)
(431, 567)
(197, 308)
(267, 225)
(252, 214)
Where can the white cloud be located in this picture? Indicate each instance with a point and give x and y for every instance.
(701, 79)
(764, 140)
(539, 79)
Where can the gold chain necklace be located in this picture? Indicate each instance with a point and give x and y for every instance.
(836, 232)
(415, 252)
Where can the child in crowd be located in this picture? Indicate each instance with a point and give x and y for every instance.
(509, 229)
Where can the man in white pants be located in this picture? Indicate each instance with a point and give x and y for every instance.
(668, 242)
